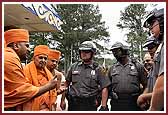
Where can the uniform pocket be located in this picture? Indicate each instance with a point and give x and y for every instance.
(75, 78)
(94, 81)
(134, 81)
(133, 73)
(115, 77)
(133, 76)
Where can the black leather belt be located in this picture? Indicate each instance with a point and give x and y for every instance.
(83, 99)
(127, 95)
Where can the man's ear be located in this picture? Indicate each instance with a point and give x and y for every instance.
(16, 46)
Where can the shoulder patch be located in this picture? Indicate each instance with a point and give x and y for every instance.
(104, 70)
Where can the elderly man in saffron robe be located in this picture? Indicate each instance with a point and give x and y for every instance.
(38, 75)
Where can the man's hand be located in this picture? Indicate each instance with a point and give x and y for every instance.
(143, 101)
(52, 83)
(63, 105)
(61, 90)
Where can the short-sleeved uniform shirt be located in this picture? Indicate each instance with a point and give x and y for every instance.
(85, 79)
(151, 81)
(158, 67)
(127, 78)
(161, 68)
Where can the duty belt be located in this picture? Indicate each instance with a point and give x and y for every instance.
(127, 95)
(83, 99)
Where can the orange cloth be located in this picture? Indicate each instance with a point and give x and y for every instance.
(17, 90)
(41, 49)
(54, 54)
(16, 35)
(4, 44)
(39, 78)
(59, 77)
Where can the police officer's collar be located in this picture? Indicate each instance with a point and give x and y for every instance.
(118, 63)
(80, 63)
(91, 65)
(129, 62)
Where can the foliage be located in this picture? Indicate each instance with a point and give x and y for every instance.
(81, 22)
(37, 38)
(131, 19)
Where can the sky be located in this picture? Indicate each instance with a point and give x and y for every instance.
(111, 14)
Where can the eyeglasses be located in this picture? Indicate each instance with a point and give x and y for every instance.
(41, 57)
(116, 50)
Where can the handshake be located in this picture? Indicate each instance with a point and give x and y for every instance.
(61, 90)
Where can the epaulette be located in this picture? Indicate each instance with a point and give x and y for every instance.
(95, 65)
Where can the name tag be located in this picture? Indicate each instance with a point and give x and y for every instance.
(93, 72)
(132, 67)
(75, 72)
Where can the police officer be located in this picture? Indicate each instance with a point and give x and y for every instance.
(126, 76)
(155, 23)
(151, 44)
(83, 78)
(144, 99)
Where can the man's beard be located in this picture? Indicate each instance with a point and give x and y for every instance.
(87, 60)
(23, 58)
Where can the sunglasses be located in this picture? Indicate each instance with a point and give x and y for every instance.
(116, 50)
(151, 46)
(85, 51)
(41, 57)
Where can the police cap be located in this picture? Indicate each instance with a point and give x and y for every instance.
(154, 14)
(150, 40)
(119, 45)
(88, 45)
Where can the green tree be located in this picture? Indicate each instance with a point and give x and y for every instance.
(38, 38)
(131, 19)
(81, 22)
